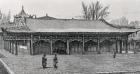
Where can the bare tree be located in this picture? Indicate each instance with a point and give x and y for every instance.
(124, 22)
(134, 23)
(9, 16)
(4, 19)
(0, 15)
(94, 11)
(85, 11)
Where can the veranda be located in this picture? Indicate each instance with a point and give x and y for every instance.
(65, 42)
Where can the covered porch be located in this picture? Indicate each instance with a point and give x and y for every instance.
(65, 43)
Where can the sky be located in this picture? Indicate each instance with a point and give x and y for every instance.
(71, 8)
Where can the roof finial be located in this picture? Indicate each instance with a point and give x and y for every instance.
(22, 7)
(46, 14)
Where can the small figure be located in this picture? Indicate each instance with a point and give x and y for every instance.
(44, 61)
(114, 54)
(55, 61)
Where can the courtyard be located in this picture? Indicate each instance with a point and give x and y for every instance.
(74, 64)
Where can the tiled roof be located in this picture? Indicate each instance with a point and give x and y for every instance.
(46, 17)
(14, 27)
(72, 25)
(67, 25)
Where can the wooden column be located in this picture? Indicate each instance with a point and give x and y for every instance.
(28, 46)
(13, 47)
(83, 48)
(68, 50)
(4, 45)
(123, 45)
(10, 47)
(16, 48)
(31, 45)
(129, 44)
(7, 45)
(14, 51)
(126, 46)
(51, 43)
(98, 46)
(116, 45)
(134, 47)
(120, 46)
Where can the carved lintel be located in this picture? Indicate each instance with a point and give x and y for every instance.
(70, 40)
(94, 40)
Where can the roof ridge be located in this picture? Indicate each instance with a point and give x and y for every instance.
(63, 19)
(117, 27)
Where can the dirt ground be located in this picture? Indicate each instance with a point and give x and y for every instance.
(74, 64)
